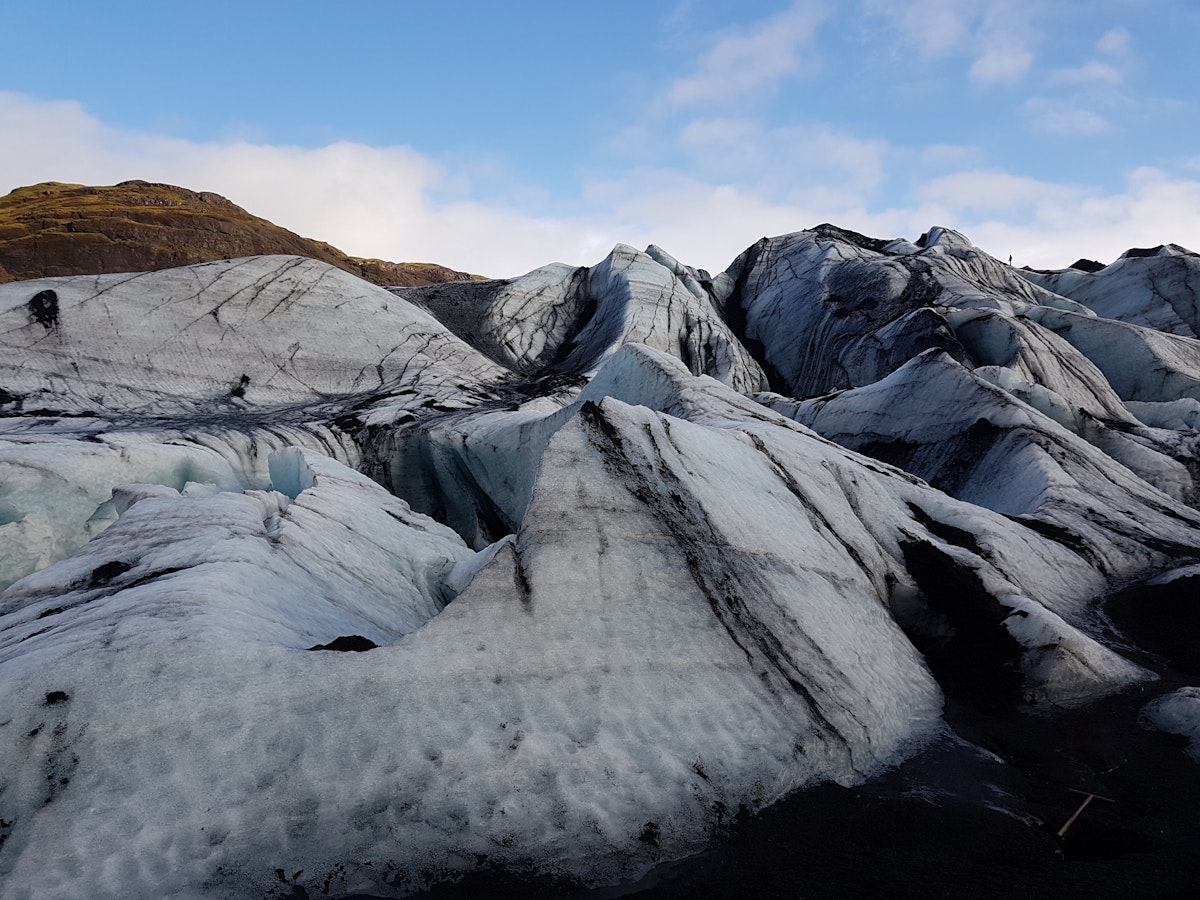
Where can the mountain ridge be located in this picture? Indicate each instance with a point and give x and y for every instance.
(55, 228)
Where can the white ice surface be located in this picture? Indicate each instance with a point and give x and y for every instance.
(1139, 363)
(670, 653)
(55, 488)
(1035, 355)
(698, 607)
(1159, 291)
(979, 442)
(1178, 713)
(573, 318)
(1041, 582)
(342, 557)
(223, 335)
(831, 314)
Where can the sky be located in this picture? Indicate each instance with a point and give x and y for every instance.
(497, 137)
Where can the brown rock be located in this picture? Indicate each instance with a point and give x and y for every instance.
(70, 229)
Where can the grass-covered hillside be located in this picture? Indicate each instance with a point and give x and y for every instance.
(72, 229)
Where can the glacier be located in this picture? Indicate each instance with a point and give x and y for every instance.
(310, 585)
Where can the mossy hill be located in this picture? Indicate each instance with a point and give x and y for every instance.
(135, 226)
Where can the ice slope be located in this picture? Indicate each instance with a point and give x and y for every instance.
(568, 320)
(968, 436)
(274, 330)
(56, 485)
(669, 600)
(1139, 363)
(1178, 713)
(472, 470)
(831, 309)
(600, 695)
(195, 375)
(1158, 288)
(327, 554)
(1025, 581)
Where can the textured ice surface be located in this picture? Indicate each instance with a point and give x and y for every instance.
(216, 336)
(341, 557)
(672, 651)
(571, 319)
(55, 490)
(614, 593)
(1158, 289)
(1178, 713)
(994, 447)
(1139, 363)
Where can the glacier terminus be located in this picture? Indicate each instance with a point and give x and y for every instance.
(619, 554)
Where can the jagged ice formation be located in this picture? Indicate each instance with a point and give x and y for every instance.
(639, 548)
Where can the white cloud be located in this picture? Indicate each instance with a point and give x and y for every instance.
(751, 60)
(1115, 46)
(676, 19)
(1090, 73)
(1002, 64)
(367, 201)
(721, 130)
(942, 156)
(389, 202)
(989, 191)
(1048, 225)
(701, 223)
(935, 28)
(1005, 43)
(708, 224)
(1063, 117)
(788, 161)
(1043, 224)
(383, 201)
(1115, 42)
(998, 38)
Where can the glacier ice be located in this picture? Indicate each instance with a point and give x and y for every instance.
(570, 320)
(1178, 713)
(55, 493)
(627, 549)
(222, 336)
(1156, 287)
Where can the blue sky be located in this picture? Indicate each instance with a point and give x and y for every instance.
(495, 137)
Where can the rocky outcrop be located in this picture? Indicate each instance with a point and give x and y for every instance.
(69, 229)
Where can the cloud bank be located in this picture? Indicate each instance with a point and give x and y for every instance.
(736, 180)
